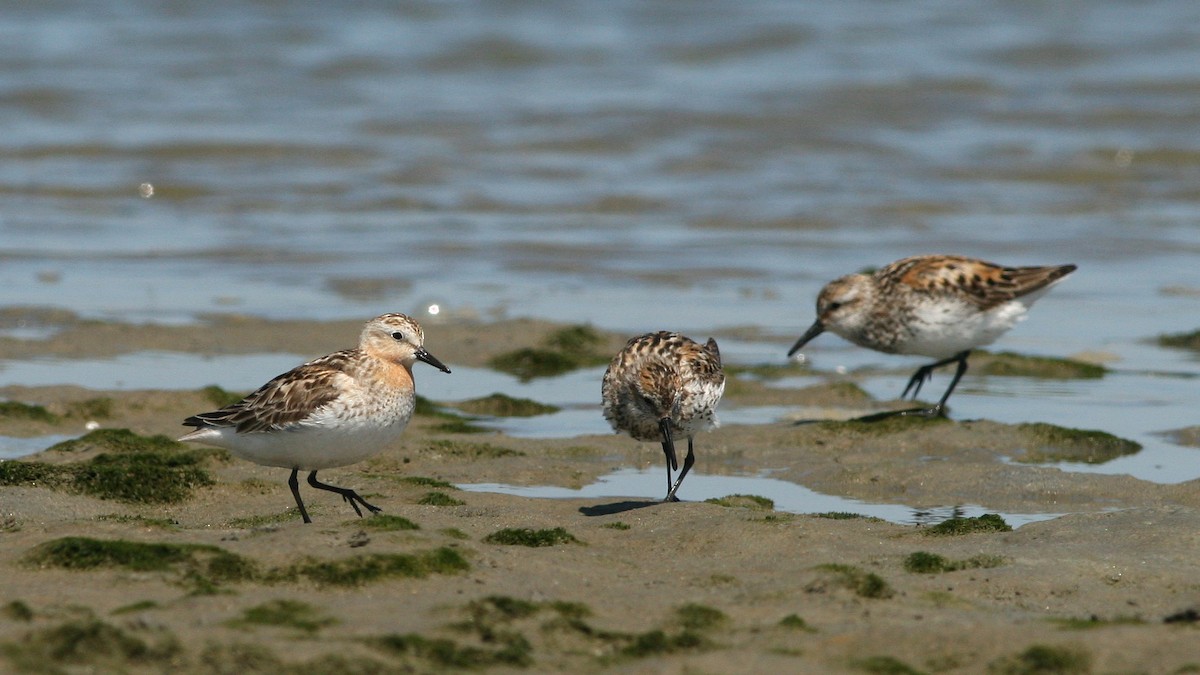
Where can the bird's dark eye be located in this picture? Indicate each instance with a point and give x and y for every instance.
(398, 336)
(833, 306)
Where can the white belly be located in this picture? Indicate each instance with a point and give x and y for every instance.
(945, 329)
(327, 439)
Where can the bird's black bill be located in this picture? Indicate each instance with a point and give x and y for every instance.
(425, 356)
(813, 331)
(668, 444)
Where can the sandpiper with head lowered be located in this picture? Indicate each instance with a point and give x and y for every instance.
(332, 411)
(941, 306)
(663, 385)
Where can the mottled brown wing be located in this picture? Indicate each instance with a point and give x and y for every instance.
(703, 362)
(713, 364)
(658, 383)
(983, 283)
(285, 400)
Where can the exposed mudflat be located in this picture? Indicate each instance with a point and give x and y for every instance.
(644, 586)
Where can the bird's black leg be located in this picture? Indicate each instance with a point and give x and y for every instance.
(346, 493)
(295, 485)
(925, 372)
(923, 375)
(668, 445)
(687, 465)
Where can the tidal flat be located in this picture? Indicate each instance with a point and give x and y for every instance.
(224, 577)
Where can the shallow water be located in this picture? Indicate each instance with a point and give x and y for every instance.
(12, 447)
(649, 485)
(633, 164)
(152, 370)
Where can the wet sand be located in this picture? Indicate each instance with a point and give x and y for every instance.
(644, 586)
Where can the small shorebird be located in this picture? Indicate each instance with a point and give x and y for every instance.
(662, 385)
(941, 306)
(332, 411)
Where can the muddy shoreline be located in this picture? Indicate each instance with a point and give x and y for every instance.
(643, 587)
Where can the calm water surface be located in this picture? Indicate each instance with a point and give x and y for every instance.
(633, 164)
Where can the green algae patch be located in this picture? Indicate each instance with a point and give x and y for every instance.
(82, 553)
(1189, 340)
(498, 624)
(447, 653)
(130, 468)
(423, 481)
(439, 499)
(388, 523)
(752, 502)
(616, 525)
(263, 520)
(201, 567)
(142, 477)
(15, 472)
(133, 607)
(795, 622)
(470, 450)
(15, 410)
(495, 608)
(218, 397)
(424, 407)
(118, 440)
(579, 342)
(92, 408)
(363, 569)
(924, 562)
(1095, 621)
(144, 521)
(1010, 364)
(451, 422)
(696, 617)
(845, 515)
(239, 657)
(885, 665)
(524, 536)
(461, 425)
(502, 405)
(284, 613)
(1043, 659)
(562, 351)
(489, 621)
(657, 642)
(988, 522)
(93, 644)
(1050, 443)
(529, 362)
(864, 584)
(17, 610)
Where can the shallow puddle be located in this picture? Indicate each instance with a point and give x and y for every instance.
(650, 485)
(12, 447)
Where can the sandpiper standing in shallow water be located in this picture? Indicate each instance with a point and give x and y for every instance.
(332, 411)
(941, 306)
(663, 385)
